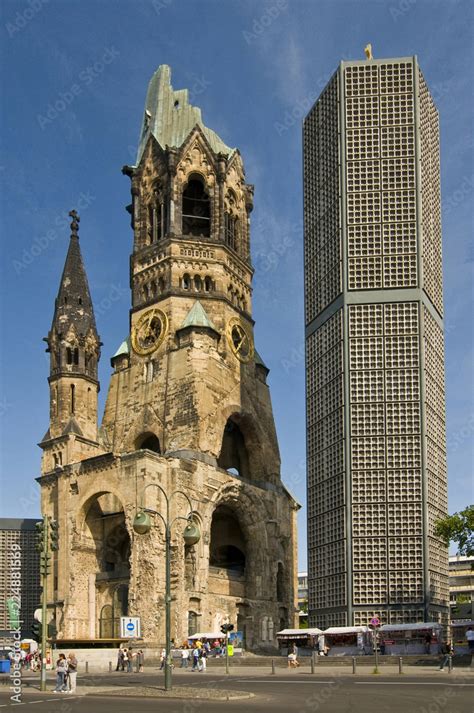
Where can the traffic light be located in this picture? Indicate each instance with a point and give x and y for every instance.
(36, 630)
(225, 628)
(54, 535)
(44, 563)
(40, 533)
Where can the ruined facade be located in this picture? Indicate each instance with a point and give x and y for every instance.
(188, 409)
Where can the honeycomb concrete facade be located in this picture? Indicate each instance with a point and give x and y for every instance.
(188, 409)
(376, 441)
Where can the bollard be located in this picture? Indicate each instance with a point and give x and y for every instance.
(450, 664)
(312, 663)
(273, 667)
(87, 666)
(400, 665)
(354, 664)
(110, 666)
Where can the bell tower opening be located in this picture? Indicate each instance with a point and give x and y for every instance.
(196, 208)
(234, 455)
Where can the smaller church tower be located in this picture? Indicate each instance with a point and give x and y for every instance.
(74, 348)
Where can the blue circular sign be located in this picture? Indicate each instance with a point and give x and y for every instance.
(130, 626)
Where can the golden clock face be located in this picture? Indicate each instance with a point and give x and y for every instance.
(149, 331)
(240, 340)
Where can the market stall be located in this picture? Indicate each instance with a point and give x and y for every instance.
(458, 635)
(306, 640)
(348, 640)
(422, 638)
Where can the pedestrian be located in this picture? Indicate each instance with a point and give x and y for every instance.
(428, 643)
(72, 672)
(130, 656)
(195, 658)
(447, 654)
(125, 660)
(162, 659)
(141, 661)
(470, 639)
(202, 660)
(184, 657)
(61, 670)
(120, 662)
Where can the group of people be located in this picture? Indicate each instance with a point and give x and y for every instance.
(197, 654)
(127, 657)
(66, 674)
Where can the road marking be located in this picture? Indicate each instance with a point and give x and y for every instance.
(252, 680)
(410, 683)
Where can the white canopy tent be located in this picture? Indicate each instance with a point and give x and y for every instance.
(207, 635)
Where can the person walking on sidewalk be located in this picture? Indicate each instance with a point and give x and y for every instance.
(72, 672)
(447, 654)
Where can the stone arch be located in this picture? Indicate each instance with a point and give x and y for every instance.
(147, 422)
(196, 206)
(148, 441)
(241, 443)
(104, 560)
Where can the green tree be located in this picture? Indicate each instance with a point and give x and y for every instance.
(458, 528)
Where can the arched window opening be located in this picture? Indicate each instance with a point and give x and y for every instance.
(146, 292)
(186, 282)
(73, 398)
(149, 442)
(196, 208)
(155, 223)
(208, 284)
(197, 283)
(228, 547)
(192, 623)
(231, 226)
(79, 301)
(68, 355)
(153, 288)
(234, 454)
(161, 285)
(76, 356)
(106, 622)
(280, 583)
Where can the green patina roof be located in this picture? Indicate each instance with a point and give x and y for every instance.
(124, 348)
(169, 116)
(197, 317)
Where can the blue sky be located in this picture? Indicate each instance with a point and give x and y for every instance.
(74, 83)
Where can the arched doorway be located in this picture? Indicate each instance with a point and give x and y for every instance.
(109, 560)
(228, 547)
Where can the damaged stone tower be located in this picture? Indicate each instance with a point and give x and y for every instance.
(188, 408)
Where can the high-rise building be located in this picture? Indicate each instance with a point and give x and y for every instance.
(188, 414)
(19, 576)
(376, 438)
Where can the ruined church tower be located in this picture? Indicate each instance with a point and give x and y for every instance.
(188, 409)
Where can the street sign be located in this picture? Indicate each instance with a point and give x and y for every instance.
(130, 627)
(374, 621)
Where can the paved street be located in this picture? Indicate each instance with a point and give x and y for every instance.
(330, 691)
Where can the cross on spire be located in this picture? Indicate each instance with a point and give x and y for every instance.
(75, 223)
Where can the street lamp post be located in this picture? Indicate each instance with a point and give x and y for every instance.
(191, 535)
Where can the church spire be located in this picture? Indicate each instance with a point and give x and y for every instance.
(73, 340)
